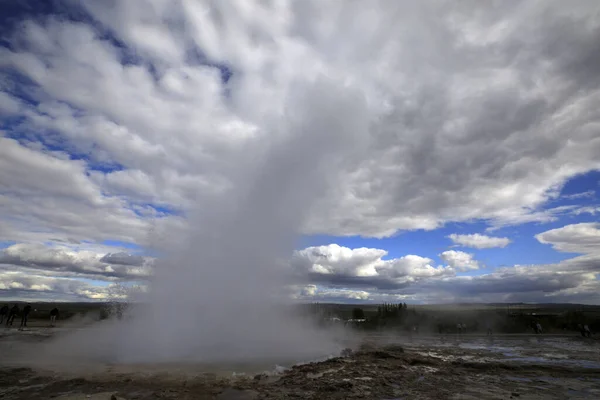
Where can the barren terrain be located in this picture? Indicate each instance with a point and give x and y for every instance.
(380, 367)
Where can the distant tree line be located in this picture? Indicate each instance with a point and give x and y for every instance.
(388, 310)
(398, 316)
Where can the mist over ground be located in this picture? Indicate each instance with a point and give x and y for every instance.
(219, 292)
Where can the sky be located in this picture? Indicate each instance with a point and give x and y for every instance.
(474, 174)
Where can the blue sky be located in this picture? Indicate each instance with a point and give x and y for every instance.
(127, 131)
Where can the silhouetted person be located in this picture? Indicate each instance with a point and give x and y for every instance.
(538, 328)
(14, 311)
(3, 313)
(53, 316)
(25, 315)
(586, 331)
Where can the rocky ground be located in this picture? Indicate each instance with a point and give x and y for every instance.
(413, 370)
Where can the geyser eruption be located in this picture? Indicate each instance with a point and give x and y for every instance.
(218, 295)
(219, 292)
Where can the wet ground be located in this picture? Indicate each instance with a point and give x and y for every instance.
(381, 367)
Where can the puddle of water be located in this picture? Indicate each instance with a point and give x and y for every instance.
(533, 350)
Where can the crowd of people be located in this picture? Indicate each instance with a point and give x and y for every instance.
(585, 330)
(535, 326)
(10, 313)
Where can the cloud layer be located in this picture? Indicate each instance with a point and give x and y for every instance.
(120, 117)
(480, 133)
(321, 273)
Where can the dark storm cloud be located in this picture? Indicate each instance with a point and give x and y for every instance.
(358, 282)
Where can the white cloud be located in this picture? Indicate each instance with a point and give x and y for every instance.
(338, 260)
(315, 293)
(9, 105)
(338, 266)
(460, 260)
(413, 267)
(479, 241)
(593, 210)
(575, 238)
(343, 294)
(581, 195)
(309, 290)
